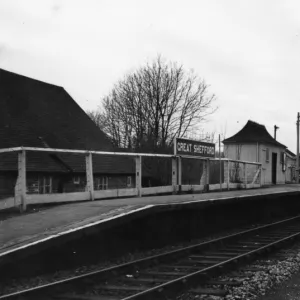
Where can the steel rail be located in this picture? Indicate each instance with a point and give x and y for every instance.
(144, 262)
(184, 279)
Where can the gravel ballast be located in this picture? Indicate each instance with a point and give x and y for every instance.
(267, 274)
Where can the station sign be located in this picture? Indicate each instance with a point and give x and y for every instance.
(193, 148)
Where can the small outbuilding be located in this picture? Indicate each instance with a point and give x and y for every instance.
(254, 143)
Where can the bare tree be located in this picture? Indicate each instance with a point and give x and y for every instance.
(149, 107)
(97, 118)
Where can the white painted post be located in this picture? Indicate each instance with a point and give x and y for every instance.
(245, 174)
(179, 173)
(207, 174)
(138, 175)
(204, 172)
(228, 174)
(89, 175)
(21, 181)
(261, 176)
(174, 174)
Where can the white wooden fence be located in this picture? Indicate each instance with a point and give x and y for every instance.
(232, 170)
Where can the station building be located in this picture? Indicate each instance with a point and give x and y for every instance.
(253, 143)
(38, 114)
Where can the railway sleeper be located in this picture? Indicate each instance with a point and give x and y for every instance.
(209, 292)
(83, 297)
(223, 283)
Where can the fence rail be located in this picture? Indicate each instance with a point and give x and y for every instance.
(234, 174)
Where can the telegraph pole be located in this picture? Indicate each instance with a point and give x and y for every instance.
(297, 158)
(220, 162)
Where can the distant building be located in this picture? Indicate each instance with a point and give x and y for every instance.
(38, 114)
(290, 173)
(253, 143)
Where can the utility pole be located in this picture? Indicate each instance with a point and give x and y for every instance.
(275, 129)
(220, 162)
(297, 158)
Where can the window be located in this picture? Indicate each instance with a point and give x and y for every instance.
(76, 180)
(101, 183)
(283, 160)
(33, 185)
(128, 181)
(267, 154)
(45, 184)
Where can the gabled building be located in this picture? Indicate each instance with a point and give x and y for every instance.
(253, 143)
(38, 114)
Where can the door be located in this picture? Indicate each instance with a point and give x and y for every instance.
(274, 167)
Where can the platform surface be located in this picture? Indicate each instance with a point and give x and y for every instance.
(26, 230)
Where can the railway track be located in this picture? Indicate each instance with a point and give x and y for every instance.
(163, 276)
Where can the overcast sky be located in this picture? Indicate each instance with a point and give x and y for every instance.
(247, 51)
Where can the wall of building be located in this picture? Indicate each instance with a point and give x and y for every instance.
(290, 169)
(257, 153)
(7, 184)
(267, 165)
(77, 183)
(246, 152)
(38, 183)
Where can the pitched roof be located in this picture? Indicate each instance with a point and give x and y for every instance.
(38, 114)
(253, 132)
(290, 153)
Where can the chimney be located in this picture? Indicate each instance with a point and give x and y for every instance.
(275, 129)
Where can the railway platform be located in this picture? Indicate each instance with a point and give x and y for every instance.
(37, 230)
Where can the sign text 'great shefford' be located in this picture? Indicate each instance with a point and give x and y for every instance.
(194, 148)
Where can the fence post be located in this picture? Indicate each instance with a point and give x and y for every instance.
(89, 175)
(207, 174)
(245, 174)
(138, 175)
(21, 181)
(228, 174)
(261, 176)
(174, 174)
(204, 172)
(179, 173)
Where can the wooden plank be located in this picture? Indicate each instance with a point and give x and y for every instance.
(255, 176)
(7, 203)
(186, 188)
(183, 266)
(110, 287)
(207, 291)
(22, 179)
(174, 173)
(179, 171)
(227, 253)
(210, 257)
(138, 175)
(57, 150)
(145, 280)
(162, 273)
(52, 198)
(89, 175)
(157, 190)
(221, 282)
(204, 261)
(83, 297)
